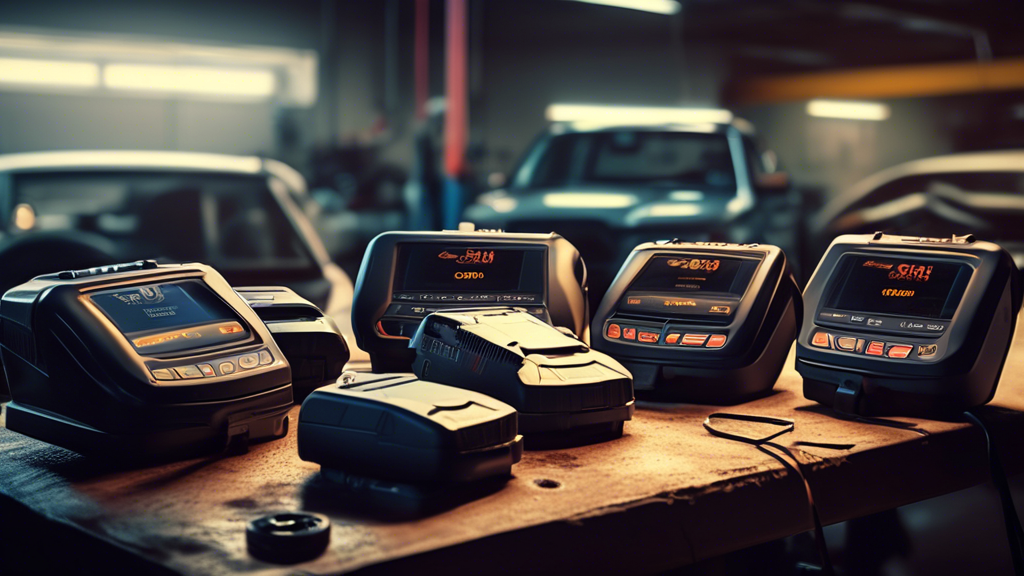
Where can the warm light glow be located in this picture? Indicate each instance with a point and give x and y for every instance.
(24, 217)
(504, 204)
(49, 72)
(250, 83)
(686, 195)
(636, 115)
(588, 200)
(667, 7)
(848, 110)
(673, 210)
(131, 159)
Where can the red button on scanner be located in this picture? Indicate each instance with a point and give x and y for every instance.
(716, 341)
(821, 340)
(614, 331)
(629, 333)
(899, 351)
(649, 337)
(876, 348)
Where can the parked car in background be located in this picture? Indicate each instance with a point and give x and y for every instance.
(609, 188)
(246, 216)
(980, 193)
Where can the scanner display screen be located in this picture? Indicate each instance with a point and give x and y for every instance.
(899, 286)
(446, 268)
(170, 307)
(696, 273)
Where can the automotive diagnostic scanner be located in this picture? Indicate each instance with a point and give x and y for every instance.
(556, 382)
(312, 344)
(701, 321)
(394, 427)
(140, 360)
(407, 275)
(900, 325)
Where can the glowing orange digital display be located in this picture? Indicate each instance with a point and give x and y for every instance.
(232, 328)
(156, 339)
(470, 256)
(678, 302)
(915, 272)
(695, 264)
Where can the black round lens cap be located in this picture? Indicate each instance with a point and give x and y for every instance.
(288, 537)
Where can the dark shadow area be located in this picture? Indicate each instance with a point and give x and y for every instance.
(31, 544)
(369, 500)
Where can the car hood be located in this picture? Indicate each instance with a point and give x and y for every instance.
(619, 207)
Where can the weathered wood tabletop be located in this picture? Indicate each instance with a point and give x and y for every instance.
(666, 494)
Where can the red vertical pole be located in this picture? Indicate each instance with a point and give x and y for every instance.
(456, 121)
(421, 57)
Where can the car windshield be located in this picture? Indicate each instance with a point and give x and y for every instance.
(233, 222)
(650, 158)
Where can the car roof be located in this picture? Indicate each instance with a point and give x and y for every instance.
(578, 127)
(976, 162)
(147, 160)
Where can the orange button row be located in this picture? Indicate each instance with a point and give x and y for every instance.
(615, 332)
(874, 348)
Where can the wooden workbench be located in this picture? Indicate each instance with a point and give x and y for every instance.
(666, 494)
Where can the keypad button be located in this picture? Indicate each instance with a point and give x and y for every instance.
(672, 339)
(648, 337)
(188, 372)
(163, 374)
(925, 350)
(266, 357)
(614, 331)
(821, 340)
(226, 368)
(694, 339)
(899, 351)
(716, 341)
(847, 343)
(629, 333)
(207, 370)
(876, 348)
(248, 361)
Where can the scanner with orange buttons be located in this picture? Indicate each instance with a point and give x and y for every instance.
(141, 361)
(902, 325)
(700, 321)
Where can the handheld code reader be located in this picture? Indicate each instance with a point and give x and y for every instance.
(393, 427)
(901, 325)
(311, 342)
(556, 382)
(140, 359)
(407, 275)
(705, 322)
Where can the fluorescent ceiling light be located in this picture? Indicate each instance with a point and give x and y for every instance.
(588, 200)
(208, 80)
(49, 72)
(635, 115)
(848, 109)
(667, 7)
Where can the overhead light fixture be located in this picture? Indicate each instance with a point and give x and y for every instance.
(205, 80)
(636, 115)
(848, 110)
(667, 7)
(49, 72)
